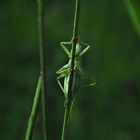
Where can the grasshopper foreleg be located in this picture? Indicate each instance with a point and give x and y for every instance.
(87, 47)
(65, 49)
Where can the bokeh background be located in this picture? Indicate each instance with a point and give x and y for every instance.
(108, 111)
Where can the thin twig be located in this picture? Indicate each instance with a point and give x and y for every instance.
(34, 111)
(42, 65)
(70, 87)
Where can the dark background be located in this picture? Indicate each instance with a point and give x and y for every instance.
(108, 111)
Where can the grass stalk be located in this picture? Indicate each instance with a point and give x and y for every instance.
(34, 111)
(134, 14)
(70, 86)
(43, 65)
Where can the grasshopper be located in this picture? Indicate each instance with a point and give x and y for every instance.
(64, 71)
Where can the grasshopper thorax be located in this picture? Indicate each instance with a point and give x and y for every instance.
(78, 50)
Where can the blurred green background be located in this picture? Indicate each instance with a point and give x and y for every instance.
(108, 111)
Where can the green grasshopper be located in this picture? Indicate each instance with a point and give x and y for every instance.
(64, 71)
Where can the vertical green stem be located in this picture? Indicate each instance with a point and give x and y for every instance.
(34, 111)
(70, 86)
(42, 65)
(64, 125)
(134, 14)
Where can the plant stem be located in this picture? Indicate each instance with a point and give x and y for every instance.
(34, 111)
(64, 125)
(134, 14)
(42, 65)
(70, 86)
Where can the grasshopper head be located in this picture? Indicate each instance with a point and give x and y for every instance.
(78, 49)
